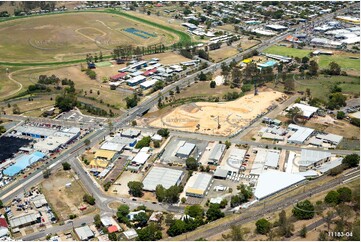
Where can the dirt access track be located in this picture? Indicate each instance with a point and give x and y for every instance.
(231, 116)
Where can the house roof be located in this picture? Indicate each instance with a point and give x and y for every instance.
(3, 223)
(99, 163)
(141, 158)
(118, 76)
(113, 229)
(84, 232)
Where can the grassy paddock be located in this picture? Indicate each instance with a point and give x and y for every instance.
(342, 58)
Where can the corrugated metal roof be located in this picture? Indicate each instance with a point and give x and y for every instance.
(217, 152)
(161, 176)
(309, 157)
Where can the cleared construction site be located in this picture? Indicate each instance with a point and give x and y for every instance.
(221, 118)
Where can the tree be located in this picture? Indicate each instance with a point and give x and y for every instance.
(340, 115)
(313, 68)
(192, 164)
(66, 166)
(202, 76)
(16, 109)
(144, 142)
(46, 173)
(141, 219)
(228, 144)
(176, 228)
(308, 92)
(355, 121)
(195, 211)
(177, 89)
(332, 197)
(66, 101)
(351, 160)
(336, 100)
(263, 226)
(97, 221)
(343, 211)
(305, 59)
(158, 85)
(285, 226)
(150, 233)
(172, 194)
(212, 84)
(304, 210)
(134, 123)
(160, 193)
(345, 194)
(1, 204)
(156, 144)
(303, 232)
(293, 113)
(89, 199)
(135, 188)
(328, 218)
(334, 69)
(2, 129)
(236, 233)
(131, 101)
(87, 142)
(123, 210)
(112, 236)
(163, 132)
(214, 212)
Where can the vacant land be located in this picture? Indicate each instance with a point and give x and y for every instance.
(62, 37)
(31, 108)
(223, 53)
(168, 58)
(339, 127)
(231, 116)
(64, 200)
(320, 87)
(340, 57)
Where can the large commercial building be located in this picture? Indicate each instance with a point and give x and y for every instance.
(271, 182)
(57, 140)
(198, 185)
(162, 176)
(311, 158)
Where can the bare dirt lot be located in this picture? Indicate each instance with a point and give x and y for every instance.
(231, 115)
(64, 200)
(223, 53)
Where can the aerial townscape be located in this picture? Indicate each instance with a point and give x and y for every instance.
(179, 120)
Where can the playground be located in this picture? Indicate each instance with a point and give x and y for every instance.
(222, 118)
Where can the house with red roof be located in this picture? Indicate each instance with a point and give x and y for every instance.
(118, 76)
(113, 229)
(3, 223)
(150, 72)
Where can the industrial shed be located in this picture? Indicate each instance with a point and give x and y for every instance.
(216, 154)
(312, 158)
(301, 134)
(185, 149)
(162, 176)
(198, 184)
(84, 233)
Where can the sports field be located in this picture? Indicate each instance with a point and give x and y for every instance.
(64, 37)
(231, 116)
(340, 57)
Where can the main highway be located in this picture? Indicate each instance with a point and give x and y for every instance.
(102, 200)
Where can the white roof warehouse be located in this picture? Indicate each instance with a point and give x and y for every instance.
(198, 184)
(162, 176)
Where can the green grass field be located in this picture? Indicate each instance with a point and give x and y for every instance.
(320, 87)
(342, 58)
